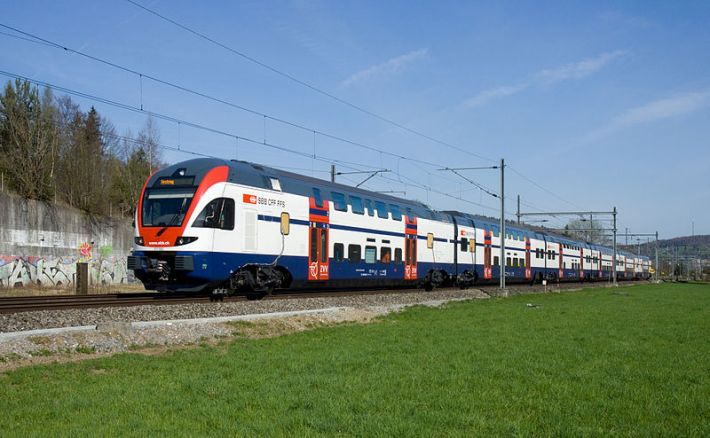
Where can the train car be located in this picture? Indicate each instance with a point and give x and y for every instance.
(238, 227)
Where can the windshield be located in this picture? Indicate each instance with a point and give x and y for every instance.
(166, 207)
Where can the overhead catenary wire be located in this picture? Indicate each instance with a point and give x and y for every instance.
(39, 40)
(141, 75)
(161, 116)
(27, 36)
(306, 84)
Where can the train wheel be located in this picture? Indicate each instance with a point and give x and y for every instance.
(254, 296)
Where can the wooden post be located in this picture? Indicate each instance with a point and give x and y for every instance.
(82, 278)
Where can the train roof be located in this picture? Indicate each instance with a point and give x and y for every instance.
(257, 175)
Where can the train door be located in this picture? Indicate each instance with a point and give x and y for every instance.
(410, 248)
(318, 230)
(561, 265)
(487, 270)
(581, 263)
(528, 268)
(601, 274)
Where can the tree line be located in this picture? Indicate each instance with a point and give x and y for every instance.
(51, 150)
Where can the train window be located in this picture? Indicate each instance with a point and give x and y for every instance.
(317, 197)
(368, 204)
(522, 263)
(370, 254)
(381, 210)
(314, 245)
(398, 255)
(339, 201)
(338, 252)
(396, 213)
(275, 183)
(464, 244)
(507, 262)
(356, 203)
(354, 253)
(219, 214)
(385, 255)
(495, 261)
(323, 246)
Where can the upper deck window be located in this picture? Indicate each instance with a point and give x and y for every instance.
(317, 197)
(370, 210)
(396, 213)
(339, 201)
(381, 210)
(275, 183)
(356, 203)
(165, 207)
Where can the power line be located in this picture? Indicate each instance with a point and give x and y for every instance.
(39, 40)
(306, 84)
(142, 75)
(277, 119)
(543, 188)
(161, 116)
(180, 121)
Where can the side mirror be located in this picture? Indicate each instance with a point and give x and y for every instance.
(285, 224)
(430, 241)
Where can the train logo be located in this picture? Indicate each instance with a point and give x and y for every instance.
(249, 199)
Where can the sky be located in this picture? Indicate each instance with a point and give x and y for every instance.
(593, 105)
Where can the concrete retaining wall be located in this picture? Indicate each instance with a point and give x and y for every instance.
(41, 242)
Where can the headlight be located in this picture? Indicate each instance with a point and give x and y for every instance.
(184, 240)
(138, 240)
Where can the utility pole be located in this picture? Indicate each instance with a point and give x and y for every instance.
(500, 195)
(627, 236)
(502, 224)
(332, 173)
(613, 262)
(591, 227)
(657, 256)
(518, 212)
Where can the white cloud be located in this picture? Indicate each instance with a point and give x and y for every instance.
(494, 93)
(575, 70)
(388, 67)
(675, 106)
(579, 70)
(664, 108)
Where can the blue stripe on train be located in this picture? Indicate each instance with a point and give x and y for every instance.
(211, 267)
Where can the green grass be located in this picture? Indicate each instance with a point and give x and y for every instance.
(630, 361)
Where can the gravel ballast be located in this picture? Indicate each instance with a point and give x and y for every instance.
(28, 338)
(37, 337)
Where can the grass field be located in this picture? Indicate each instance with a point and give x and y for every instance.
(629, 361)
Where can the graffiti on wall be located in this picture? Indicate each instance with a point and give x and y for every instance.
(16, 271)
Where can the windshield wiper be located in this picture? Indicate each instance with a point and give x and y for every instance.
(174, 219)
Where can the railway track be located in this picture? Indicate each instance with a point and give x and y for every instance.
(58, 302)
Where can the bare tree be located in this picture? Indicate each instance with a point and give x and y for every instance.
(586, 230)
(28, 139)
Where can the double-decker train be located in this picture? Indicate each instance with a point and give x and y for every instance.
(233, 227)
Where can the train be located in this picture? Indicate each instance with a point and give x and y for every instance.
(230, 227)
